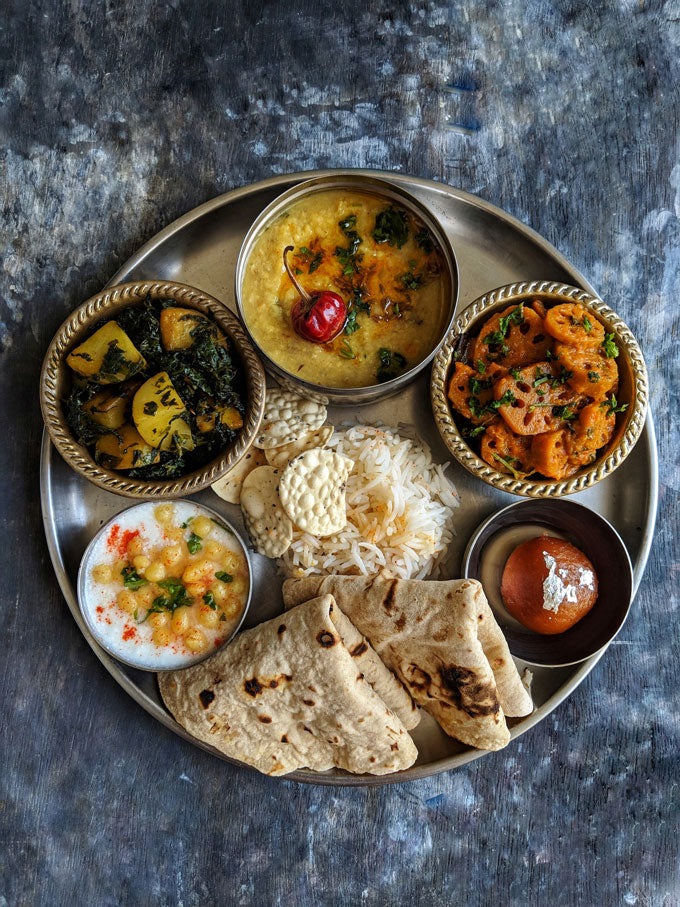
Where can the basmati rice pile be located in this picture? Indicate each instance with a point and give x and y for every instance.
(399, 510)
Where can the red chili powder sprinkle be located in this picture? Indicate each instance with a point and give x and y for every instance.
(118, 543)
(112, 540)
(99, 609)
(129, 633)
(218, 642)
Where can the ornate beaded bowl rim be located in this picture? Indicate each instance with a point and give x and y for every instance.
(548, 291)
(74, 330)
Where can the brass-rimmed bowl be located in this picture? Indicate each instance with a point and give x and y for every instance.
(633, 387)
(56, 377)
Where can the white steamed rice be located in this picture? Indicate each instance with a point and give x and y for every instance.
(400, 508)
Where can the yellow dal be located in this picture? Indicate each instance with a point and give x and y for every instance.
(413, 328)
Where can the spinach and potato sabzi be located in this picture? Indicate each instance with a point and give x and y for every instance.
(539, 392)
(156, 392)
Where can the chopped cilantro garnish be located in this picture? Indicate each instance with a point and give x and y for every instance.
(391, 226)
(209, 599)
(132, 579)
(411, 281)
(611, 350)
(481, 368)
(587, 325)
(194, 543)
(424, 240)
(224, 577)
(346, 351)
(593, 377)
(612, 406)
(391, 364)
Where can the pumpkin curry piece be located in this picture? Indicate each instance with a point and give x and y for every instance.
(539, 390)
(548, 585)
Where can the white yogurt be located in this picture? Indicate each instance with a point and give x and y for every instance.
(120, 633)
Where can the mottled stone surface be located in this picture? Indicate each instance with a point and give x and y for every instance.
(118, 117)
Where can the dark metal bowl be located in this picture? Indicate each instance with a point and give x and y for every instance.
(496, 538)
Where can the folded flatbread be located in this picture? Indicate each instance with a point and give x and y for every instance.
(441, 640)
(287, 695)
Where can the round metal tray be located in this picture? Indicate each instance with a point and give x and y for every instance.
(492, 248)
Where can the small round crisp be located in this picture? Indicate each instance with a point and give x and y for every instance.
(280, 457)
(229, 486)
(312, 490)
(286, 417)
(269, 528)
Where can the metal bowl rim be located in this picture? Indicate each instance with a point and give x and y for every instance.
(378, 185)
(102, 530)
(588, 514)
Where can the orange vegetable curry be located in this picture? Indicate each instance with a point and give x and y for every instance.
(539, 390)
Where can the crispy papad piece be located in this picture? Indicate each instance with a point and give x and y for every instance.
(287, 695)
(441, 640)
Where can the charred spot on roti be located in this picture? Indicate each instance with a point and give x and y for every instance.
(309, 702)
(400, 622)
(371, 759)
(284, 739)
(265, 719)
(206, 697)
(419, 679)
(305, 728)
(326, 639)
(273, 684)
(388, 601)
(394, 746)
(359, 649)
(477, 699)
(282, 629)
(253, 687)
(312, 688)
(440, 635)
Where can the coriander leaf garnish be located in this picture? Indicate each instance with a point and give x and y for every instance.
(515, 373)
(611, 350)
(593, 377)
(186, 522)
(132, 579)
(194, 543)
(411, 281)
(391, 364)
(224, 577)
(587, 324)
(612, 406)
(209, 599)
(473, 432)
(391, 226)
(481, 368)
(346, 351)
(424, 240)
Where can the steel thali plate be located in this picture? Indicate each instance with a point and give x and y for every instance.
(492, 249)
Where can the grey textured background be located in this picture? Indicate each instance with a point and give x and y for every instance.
(116, 118)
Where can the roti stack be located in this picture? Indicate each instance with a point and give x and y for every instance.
(441, 640)
(288, 694)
